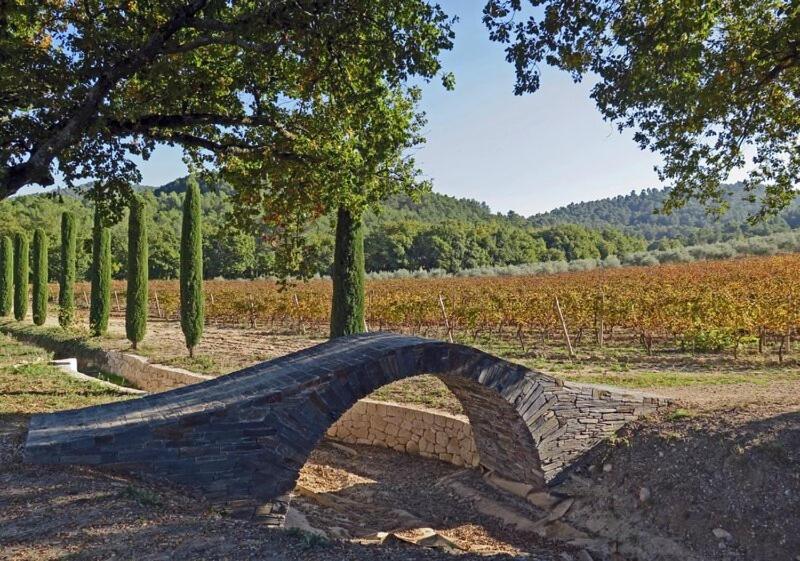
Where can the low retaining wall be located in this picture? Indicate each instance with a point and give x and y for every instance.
(134, 368)
(408, 429)
(144, 375)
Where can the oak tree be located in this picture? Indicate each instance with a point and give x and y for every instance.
(712, 86)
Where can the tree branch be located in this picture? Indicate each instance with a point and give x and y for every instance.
(37, 168)
(146, 122)
(230, 146)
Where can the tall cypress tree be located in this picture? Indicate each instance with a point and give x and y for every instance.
(347, 309)
(40, 289)
(6, 276)
(136, 294)
(192, 312)
(101, 277)
(20, 276)
(66, 290)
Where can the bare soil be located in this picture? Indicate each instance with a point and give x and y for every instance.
(718, 479)
(49, 513)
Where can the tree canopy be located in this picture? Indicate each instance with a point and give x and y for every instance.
(711, 85)
(275, 95)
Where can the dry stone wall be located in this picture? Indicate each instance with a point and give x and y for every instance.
(145, 375)
(413, 430)
(137, 370)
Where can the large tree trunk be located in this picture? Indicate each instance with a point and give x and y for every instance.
(347, 310)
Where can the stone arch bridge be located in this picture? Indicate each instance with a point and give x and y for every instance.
(241, 439)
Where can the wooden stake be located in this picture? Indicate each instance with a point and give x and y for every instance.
(446, 321)
(600, 326)
(116, 298)
(85, 298)
(252, 311)
(158, 304)
(297, 309)
(564, 327)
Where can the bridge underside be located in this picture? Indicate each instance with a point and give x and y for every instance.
(242, 439)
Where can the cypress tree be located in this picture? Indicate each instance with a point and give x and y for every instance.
(66, 290)
(20, 276)
(136, 293)
(101, 277)
(6, 276)
(40, 289)
(192, 313)
(347, 309)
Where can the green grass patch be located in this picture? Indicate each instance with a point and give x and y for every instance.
(679, 415)
(427, 391)
(202, 364)
(673, 379)
(143, 496)
(28, 384)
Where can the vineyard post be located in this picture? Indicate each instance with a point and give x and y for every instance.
(600, 312)
(252, 310)
(116, 300)
(158, 304)
(564, 327)
(297, 309)
(446, 321)
(85, 298)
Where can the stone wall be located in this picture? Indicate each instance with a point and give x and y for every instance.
(135, 369)
(145, 375)
(405, 428)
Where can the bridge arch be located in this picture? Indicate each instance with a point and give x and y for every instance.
(241, 439)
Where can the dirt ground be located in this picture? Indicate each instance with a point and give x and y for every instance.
(667, 490)
(717, 479)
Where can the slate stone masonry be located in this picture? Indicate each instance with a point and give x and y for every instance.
(241, 439)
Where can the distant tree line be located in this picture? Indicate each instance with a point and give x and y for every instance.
(636, 213)
(437, 232)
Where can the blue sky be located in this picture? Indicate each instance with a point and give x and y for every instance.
(528, 154)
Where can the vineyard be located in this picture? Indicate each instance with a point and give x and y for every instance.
(699, 306)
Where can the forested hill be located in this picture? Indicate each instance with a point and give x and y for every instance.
(635, 214)
(435, 232)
